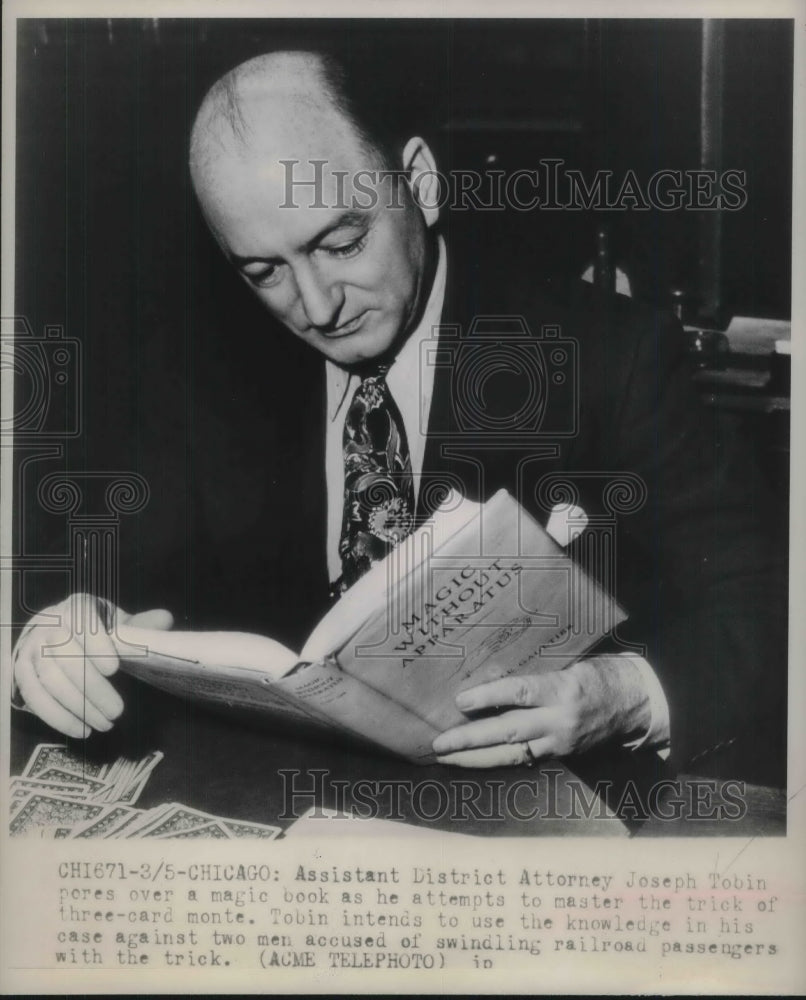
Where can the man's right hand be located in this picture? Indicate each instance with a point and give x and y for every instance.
(63, 659)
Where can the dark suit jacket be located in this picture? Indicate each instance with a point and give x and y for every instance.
(576, 392)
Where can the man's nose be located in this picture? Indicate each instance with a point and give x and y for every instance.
(321, 299)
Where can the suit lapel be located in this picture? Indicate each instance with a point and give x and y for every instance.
(442, 419)
(455, 453)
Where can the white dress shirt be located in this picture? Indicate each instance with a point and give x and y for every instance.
(407, 371)
(415, 407)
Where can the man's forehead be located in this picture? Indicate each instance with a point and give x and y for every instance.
(287, 184)
(312, 146)
(289, 190)
(268, 208)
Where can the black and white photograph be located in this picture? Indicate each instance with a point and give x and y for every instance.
(396, 451)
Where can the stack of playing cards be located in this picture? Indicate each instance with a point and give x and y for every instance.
(61, 795)
(174, 821)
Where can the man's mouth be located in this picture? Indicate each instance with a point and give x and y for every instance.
(344, 329)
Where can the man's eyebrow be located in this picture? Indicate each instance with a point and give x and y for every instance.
(352, 217)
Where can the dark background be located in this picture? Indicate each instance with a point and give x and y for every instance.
(104, 109)
(111, 249)
(110, 245)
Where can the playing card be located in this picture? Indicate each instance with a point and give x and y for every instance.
(116, 779)
(55, 778)
(19, 786)
(121, 831)
(53, 832)
(146, 819)
(215, 830)
(113, 818)
(18, 796)
(44, 809)
(131, 794)
(242, 828)
(110, 771)
(177, 819)
(57, 755)
(148, 763)
(62, 776)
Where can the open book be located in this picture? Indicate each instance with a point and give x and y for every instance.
(478, 592)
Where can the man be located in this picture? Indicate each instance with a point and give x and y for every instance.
(356, 260)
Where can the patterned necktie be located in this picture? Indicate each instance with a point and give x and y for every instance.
(378, 485)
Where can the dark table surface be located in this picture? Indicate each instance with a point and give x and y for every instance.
(247, 769)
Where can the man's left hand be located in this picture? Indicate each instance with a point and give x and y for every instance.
(556, 714)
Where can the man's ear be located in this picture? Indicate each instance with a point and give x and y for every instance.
(421, 173)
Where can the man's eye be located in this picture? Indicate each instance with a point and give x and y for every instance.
(347, 249)
(265, 277)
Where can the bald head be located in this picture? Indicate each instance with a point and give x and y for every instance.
(279, 105)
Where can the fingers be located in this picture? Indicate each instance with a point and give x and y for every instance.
(66, 680)
(498, 756)
(43, 704)
(510, 727)
(62, 675)
(544, 746)
(86, 660)
(64, 657)
(158, 618)
(574, 709)
(104, 704)
(523, 692)
(72, 677)
(503, 755)
(100, 649)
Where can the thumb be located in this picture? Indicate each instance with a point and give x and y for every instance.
(157, 618)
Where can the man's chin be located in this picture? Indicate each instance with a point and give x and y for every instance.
(355, 348)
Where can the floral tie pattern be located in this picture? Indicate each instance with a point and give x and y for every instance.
(378, 485)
